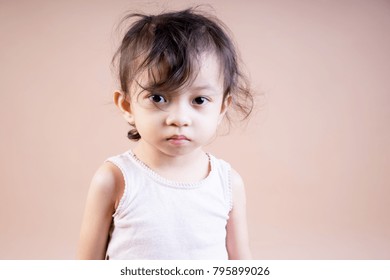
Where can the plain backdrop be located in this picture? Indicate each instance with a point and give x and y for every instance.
(315, 155)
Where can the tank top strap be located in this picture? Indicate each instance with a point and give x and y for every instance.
(223, 170)
(124, 163)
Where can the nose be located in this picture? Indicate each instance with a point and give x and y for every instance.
(179, 115)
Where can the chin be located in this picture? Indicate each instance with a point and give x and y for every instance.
(180, 151)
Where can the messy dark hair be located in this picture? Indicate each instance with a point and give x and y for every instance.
(169, 45)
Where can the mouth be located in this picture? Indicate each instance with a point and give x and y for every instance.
(178, 139)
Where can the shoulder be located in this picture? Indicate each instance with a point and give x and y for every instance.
(237, 185)
(107, 176)
(108, 182)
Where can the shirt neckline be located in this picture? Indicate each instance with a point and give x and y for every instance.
(171, 183)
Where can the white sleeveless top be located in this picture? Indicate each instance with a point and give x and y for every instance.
(162, 219)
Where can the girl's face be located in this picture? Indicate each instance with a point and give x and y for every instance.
(179, 123)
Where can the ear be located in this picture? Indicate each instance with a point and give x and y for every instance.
(122, 102)
(225, 105)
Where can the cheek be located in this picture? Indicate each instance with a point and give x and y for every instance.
(146, 120)
(210, 122)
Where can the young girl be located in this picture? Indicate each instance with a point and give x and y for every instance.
(167, 198)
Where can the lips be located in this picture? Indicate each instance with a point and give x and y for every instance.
(178, 140)
(178, 137)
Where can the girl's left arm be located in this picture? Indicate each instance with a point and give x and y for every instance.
(237, 240)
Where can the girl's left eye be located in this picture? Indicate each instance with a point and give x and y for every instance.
(200, 100)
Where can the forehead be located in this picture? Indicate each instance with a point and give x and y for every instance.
(208, 72)
(209, 64)
(205, 73)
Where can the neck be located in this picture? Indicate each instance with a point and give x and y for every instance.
(189, 167)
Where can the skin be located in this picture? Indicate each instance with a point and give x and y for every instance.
(173, 128)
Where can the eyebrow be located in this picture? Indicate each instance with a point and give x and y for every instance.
(203, 87)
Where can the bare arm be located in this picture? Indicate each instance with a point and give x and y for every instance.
(237, 240)
(105, 191)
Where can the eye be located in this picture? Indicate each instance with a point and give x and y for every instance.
(200, 100)
(156, 98)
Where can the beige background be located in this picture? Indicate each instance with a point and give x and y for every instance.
(315, 155)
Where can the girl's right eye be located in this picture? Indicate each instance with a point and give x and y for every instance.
(156, 98)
